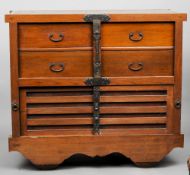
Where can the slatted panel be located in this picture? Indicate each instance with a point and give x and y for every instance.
(69, 110)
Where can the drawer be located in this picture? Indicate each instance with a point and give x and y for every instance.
(79, 63)
(56, 64)
(137, 34)
(55, 35)
(137, 63)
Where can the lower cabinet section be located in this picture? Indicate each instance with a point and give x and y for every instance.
(123, 110)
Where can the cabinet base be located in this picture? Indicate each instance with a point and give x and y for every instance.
(47, 152)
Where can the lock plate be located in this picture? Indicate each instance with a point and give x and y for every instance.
(97, 80)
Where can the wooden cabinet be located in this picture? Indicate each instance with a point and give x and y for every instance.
(95, 83)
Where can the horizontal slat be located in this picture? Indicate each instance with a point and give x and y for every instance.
(134, 88)
(90, 48)
(103, 121)
(78, 16)
(24, 82)
(133, 98)
(60, 99)
(133, 115)
(88, 131)
(103, 110)
(88, 98)
(60, 89)
(102, 88)
(78, 81)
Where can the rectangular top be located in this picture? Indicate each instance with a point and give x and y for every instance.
(78, 15)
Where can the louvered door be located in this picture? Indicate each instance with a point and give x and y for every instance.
(123, 110)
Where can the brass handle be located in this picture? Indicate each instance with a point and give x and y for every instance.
(58, 39)
(135, 66)
(136, 36)
(56, 67)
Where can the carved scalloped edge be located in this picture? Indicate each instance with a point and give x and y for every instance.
(45, 151)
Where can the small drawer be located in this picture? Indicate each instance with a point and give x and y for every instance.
(137, 34)
(137, 63)
(55, 64)
(55, 35)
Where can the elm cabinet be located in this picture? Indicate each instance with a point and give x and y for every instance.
(95, 83)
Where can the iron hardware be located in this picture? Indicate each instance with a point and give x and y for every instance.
(178, 104)
(15, 107)
(135, 66)
(102, 18)
(56, 67)
(136, 36)
(97, 80)
(60, 37)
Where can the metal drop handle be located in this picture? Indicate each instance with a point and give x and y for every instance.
(136, 66)
(56, 67)
(136, 36)
(53, 38)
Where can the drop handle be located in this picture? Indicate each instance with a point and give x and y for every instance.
(136, 36)
(56, 67)
(136, 66)
(56, 37)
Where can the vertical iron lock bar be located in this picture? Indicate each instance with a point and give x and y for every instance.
(97, 80)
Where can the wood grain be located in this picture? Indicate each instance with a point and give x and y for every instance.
(132, 146)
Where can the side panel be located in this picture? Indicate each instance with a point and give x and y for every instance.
(14, 78)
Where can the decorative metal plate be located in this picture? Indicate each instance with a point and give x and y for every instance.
(102, 18)
(97, 81)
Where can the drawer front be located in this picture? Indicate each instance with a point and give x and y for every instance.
(56, 64)
(54, 35)
(137, 34)
(80, 35)
(79, 64)
(137, 63)
(69, 110)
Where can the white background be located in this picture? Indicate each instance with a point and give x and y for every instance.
(10, 163)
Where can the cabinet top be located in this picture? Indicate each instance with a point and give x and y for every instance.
(78, 15)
